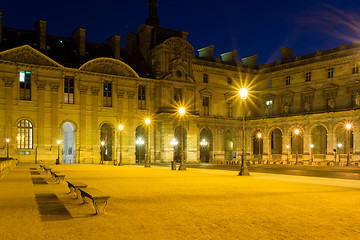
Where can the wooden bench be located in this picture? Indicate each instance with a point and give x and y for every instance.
(98, 198)
(59, 177)
(74, 187)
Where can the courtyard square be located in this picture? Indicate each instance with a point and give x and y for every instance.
(157, 203)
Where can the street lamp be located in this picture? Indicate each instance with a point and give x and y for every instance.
(121, 127)
(312, 152)
(244, 171)
(173, 162)
(182, 162)
(58, 158)
(297, 131)
(147, 162)
(102, 151)
(7, 147)
(259, 135)
(287, 159)
(348, 127)
(339, 146)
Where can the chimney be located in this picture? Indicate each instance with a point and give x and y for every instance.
(286, 54)
(250, 61)
(1, 13)
(131, 41)
(40, 28)
(184, 34)
(207, 52)
(79, 37)
(229, 57)
(114, 43)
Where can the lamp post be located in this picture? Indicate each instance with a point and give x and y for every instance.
(121, 127)
(312, 152)
(58, 158)
(244, 171)
(102, 152)
(297, 131)
(203, 144)
(147, 162)
(182, 162)
(287, 159)
(173, 162)
(339, 146)
(259, 135)
(348, 127)
(7, 147)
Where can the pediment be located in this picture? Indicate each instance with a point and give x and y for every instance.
(354, 83)
(307, 90)
(268, 97)
(109, 66)
(330, 87)
(179, 45)
(205, 92)
(285, 93)
(29, 55)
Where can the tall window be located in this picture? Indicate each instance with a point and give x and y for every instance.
(355, 97)
(206, 105)
(25, 85)
(178, 95)
(355, 68)
(25, 135)
(288, 78)
(69, 90)
(229, 108)
(107, 94)
(205, 78)
(308, 77)
(229, 81)
(269, 83)
(330, 72)
(141, 97)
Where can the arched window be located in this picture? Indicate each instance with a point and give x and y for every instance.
(25, 134)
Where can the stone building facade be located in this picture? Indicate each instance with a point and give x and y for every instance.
(57, 88)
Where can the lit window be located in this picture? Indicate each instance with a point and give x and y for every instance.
(107, 94)
(25, 85)
(69, 90)
(141, 97)
(269, 106)
(24, 135)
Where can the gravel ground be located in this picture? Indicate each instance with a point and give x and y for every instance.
(156, 203)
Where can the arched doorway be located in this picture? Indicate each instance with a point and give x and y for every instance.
(319, 140)
(140, 144)
(229, 146)
(276, 144)
(68, 143)
(296, 143)
(206, 149)
(177, 148)
(106, 135)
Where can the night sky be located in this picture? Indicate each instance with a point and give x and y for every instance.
(251, 27)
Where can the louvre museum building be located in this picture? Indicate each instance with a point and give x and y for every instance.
(68, 96)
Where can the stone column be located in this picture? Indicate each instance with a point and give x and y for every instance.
(286, 152)
(96, 151)
(130, 134)
(9, 84)
(55, 129)
(41, 85)
(306, 146)
(83, 153)
(219, 145)
(356, 151)
(266, 146)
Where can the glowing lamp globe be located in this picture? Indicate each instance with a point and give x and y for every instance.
(243, 93)
(147, 121)
(182, 111)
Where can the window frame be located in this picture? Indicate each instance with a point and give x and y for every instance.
(68, 95)
(25, 85)
(25, 134)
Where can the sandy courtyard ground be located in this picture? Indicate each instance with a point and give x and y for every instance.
(156, 203)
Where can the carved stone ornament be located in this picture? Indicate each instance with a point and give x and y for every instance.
(54, 86)
(9, 82)
(26, 54)
(95, 91)
(41, 85)
(83, 89)
(120, 93)
(109, 66)
(131, 94)
(179, 45)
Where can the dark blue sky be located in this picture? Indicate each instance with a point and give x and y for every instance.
(251, 27)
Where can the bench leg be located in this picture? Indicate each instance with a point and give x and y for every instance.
(100, 210)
